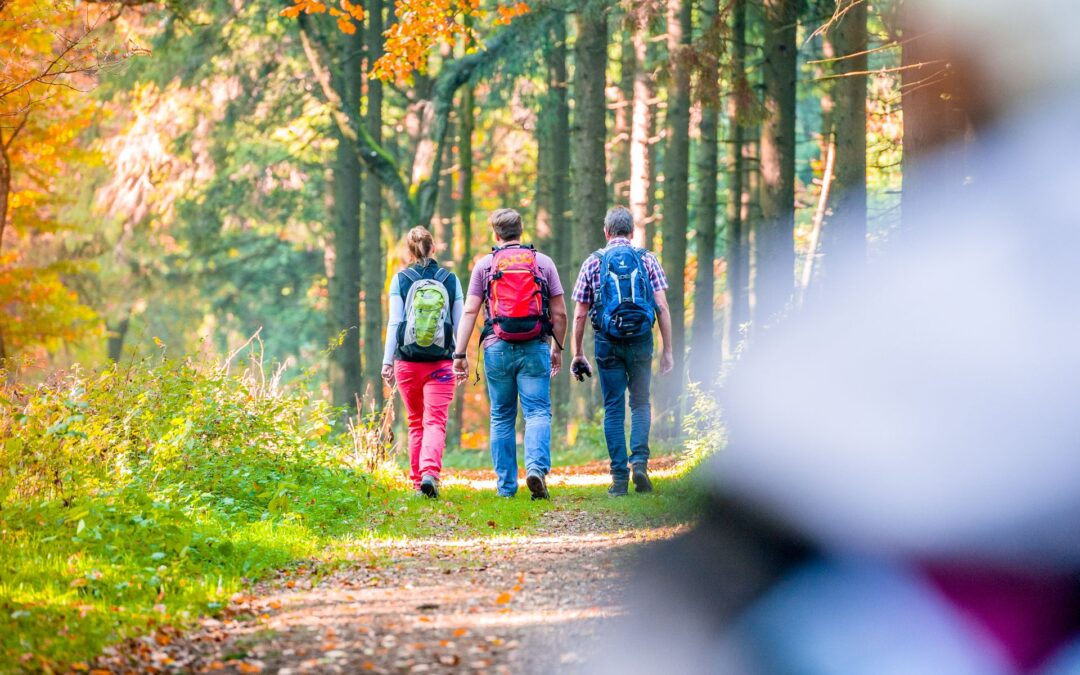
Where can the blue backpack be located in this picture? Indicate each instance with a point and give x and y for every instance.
(624, 310)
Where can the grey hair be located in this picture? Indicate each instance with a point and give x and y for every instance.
(619, 222)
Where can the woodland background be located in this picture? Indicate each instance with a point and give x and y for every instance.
(177, 175)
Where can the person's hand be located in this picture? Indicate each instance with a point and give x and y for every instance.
(667, 362)
(580, 367)
(388, 374)
(556, 361)
(461, 369)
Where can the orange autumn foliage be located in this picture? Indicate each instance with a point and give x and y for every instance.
(421, 26)
(346, 13)
(51, 51)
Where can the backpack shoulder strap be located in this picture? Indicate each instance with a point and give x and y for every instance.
(406, 278)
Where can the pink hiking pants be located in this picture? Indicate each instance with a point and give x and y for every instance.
(426, 389)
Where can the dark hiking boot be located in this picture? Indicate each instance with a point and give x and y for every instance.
(641, 478)
(429, 486)
(535, 482)
(618, 488)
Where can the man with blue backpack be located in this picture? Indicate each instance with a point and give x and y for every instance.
(622, 289)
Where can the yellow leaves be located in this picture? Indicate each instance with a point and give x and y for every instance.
(245, 667)
(504, 598)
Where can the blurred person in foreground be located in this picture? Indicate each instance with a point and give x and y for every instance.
(901, 489)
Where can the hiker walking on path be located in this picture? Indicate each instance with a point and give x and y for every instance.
(521, 293)
(425, 308)
(623, 290)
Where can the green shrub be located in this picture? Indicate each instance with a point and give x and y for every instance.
(144, 494)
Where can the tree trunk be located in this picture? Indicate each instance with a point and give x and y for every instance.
(776, 232)
(5, 195)
(443, 230)
(554, 151)
(345, 284)
(590, 128)
(620, 144)
(463, 249)
(934, 123)
(374, 272)
(588, 159)
(676, 197)
(737, 301)
(642, 129)
(843, 237)
(116, 334)
(704, 356)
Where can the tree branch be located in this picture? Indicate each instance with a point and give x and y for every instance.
(452, 77)
(370, 153)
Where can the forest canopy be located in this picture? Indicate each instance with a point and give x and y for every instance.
(179, 175)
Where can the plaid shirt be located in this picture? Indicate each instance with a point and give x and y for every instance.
(588, 281)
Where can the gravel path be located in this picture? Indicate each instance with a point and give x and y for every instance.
(496, 605)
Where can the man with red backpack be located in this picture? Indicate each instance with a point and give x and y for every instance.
(525, 323)
(622, 289)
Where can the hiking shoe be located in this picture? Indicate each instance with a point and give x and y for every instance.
(429, 486)
(641, 478)
(618, 488)
(535, 482)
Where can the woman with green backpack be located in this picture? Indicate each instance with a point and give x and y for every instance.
(425, 307)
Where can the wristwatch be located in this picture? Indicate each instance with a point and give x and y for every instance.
(460, 355)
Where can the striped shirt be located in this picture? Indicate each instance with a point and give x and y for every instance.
(588, 281)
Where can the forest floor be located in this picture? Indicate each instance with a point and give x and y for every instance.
(533, 595)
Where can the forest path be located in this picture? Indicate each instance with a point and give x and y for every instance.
(533, 603)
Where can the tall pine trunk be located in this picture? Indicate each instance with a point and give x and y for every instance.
(463, 249)
(676, 197)
(704, 354)
(843, 242)
(620, 144)
(934, 123)
(590, 128)
(5, 196)
(775, 236)
(374, 274)
(736, 247)
(588, 156)
(642, 128)
(345, 286)
(554, 186)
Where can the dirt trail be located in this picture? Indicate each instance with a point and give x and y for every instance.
(496, 605)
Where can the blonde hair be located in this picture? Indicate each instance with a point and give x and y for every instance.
(420, 243)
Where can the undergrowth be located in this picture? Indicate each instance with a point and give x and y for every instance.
(146, 494)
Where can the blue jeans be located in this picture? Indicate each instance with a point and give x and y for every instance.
(519, 370)
(622, 367)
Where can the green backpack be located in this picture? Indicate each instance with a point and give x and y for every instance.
(426, 332)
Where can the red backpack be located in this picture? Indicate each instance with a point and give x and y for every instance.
(517, 296)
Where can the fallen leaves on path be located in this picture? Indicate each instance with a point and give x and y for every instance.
(436, 606)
